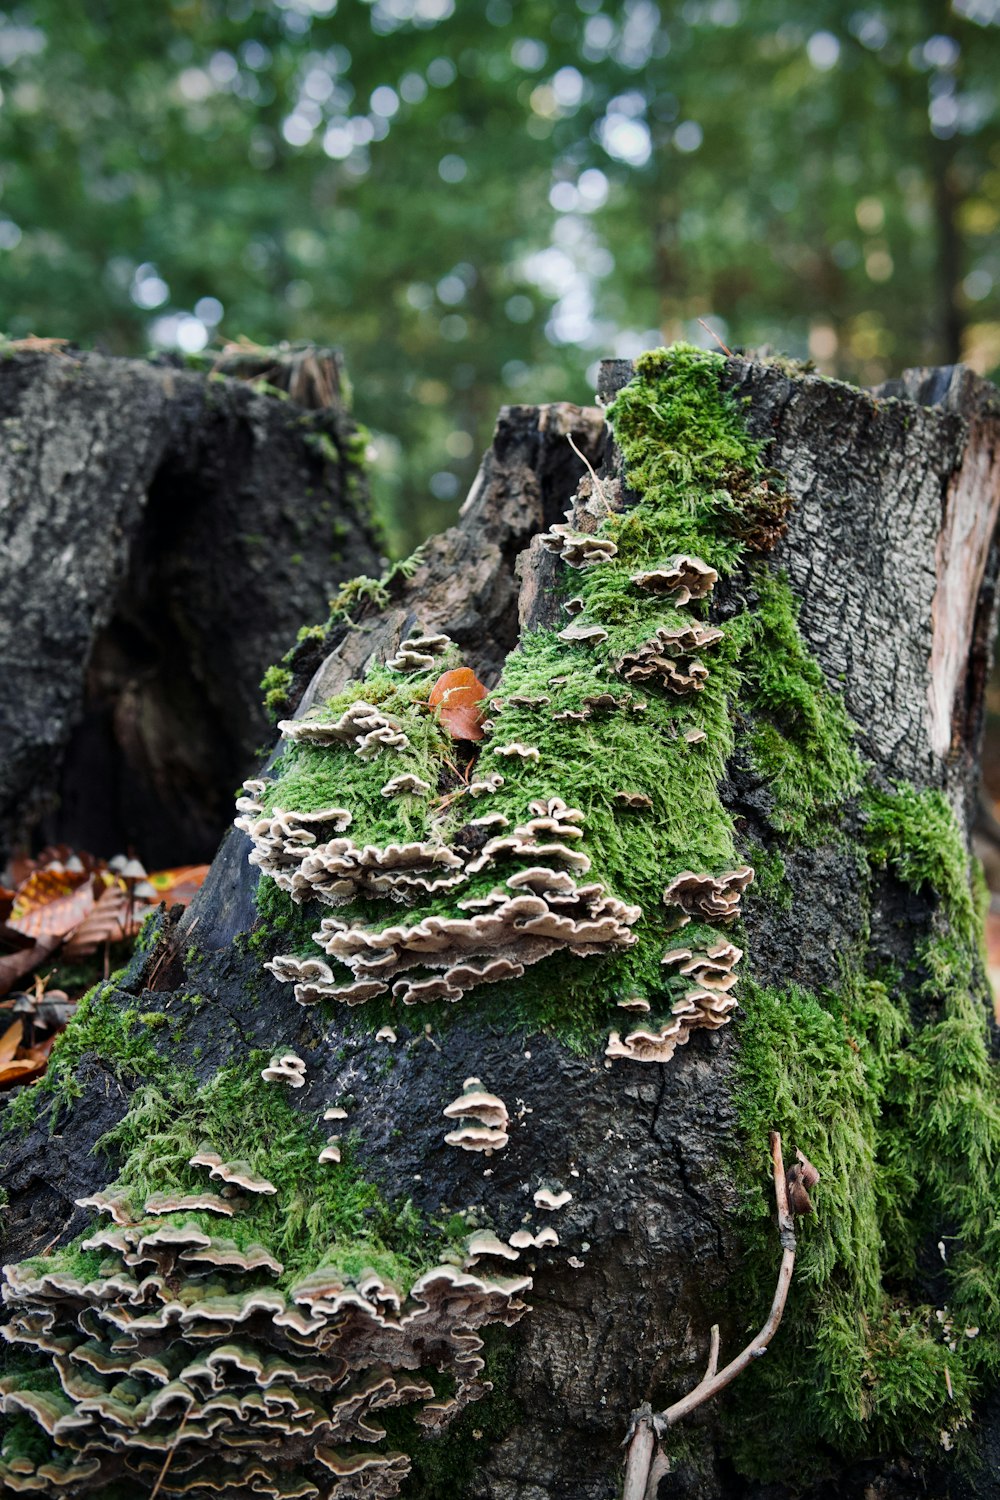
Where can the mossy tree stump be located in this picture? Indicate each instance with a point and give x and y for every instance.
(490, 939)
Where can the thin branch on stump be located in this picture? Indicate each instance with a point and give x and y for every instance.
(646, 1463)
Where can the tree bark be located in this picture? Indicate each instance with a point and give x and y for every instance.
(165, 534)
(890, 554)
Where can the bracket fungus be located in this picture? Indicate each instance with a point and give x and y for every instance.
(331, 1151)
(365, 728)
(247, 1388)
(583, 635)
(716, 898)
(482, 1119)
(523, 1239)
(236, 1173)
(515, 748)
(684, 577)
(406, 784)
(286, 1068)
(578, 549)
(418, 653)
(667, 659)
(552, 1196)
(484, 785)
(485, 1242)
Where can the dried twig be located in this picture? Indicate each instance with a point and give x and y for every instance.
(709, 329)
(598, 486)
(170, 1456)
(646, 1426)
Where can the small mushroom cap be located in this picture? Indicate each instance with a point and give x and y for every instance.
(485, 1242)
(239, 1173)
(335, 1113)
(405, 784)
(109, 1204)
(478, 1103)
(583, 634)
(172, 1203)
(515, 748)
(133, 870)
(552, 1198)
(477, 1138)
(331, 1151)
(385, 1034)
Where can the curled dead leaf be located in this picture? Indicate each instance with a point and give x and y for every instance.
(799, 1178)
(458, 696)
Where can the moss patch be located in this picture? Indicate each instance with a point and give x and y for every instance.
(889, 1087)
(320, 1215)
(118, 1035)
(703, 489)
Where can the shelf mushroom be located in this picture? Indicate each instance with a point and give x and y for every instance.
(482, 1119)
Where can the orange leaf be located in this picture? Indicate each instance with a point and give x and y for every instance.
(10, 1041)
(458, 697)
(112, 919)
(55, 916)
(21, 1071)
(178, 885)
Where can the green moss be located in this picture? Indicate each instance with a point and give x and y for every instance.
(889, 1088)
(317, 1217)
(703, 489)
(915, 834)
(801, 742)
(275, 685)
(107, 1025)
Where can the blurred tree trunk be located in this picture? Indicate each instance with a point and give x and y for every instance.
(891, 557)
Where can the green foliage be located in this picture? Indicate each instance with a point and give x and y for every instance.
(275, 685)
(103, 1026)
(915, 834)
(530, 152)
(802, 740)
(320, 1215)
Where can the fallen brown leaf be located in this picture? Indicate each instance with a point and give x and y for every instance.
(10, 1041)
(458, 697)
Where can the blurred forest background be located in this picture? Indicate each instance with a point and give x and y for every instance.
(477, 199)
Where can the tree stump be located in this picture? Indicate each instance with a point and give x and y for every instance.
(166, 533)
(733, 709)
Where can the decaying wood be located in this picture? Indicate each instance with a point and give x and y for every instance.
(163, 536)
(649, 1425)
(644, 1149)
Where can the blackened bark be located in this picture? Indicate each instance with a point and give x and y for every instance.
(163, 534)
(646, 1150)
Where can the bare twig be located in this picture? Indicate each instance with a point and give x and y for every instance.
(598, 486)
(709, 329)
(641, 1440)
(170, 1456)
(646, 1426)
